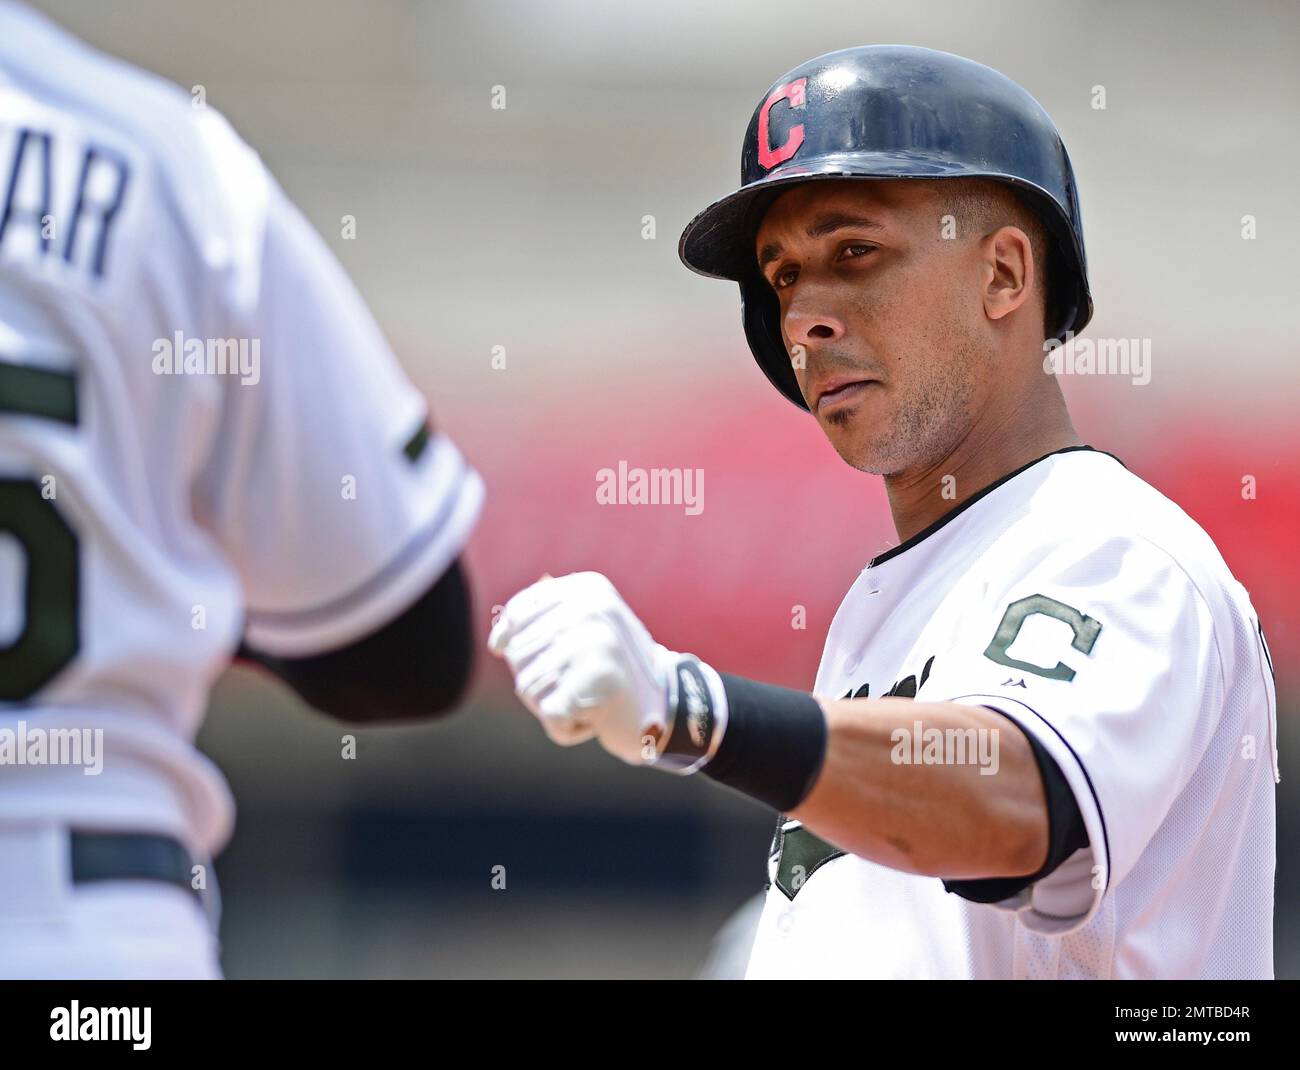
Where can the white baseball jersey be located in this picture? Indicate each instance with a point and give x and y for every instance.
(1081, 603)
(203, 436)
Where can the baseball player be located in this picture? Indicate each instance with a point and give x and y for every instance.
(1041, 742)
(204, 440)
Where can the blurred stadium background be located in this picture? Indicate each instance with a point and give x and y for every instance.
(522, 228)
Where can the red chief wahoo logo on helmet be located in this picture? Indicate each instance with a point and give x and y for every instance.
(769, 156)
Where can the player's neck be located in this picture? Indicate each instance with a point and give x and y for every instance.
(995, 446)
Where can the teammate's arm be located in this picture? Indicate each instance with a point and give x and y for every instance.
(342, 510)
(413, 668)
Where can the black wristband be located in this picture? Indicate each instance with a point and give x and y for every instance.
(774, 743)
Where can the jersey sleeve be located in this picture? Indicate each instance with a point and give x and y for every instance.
(1104, 653)
(326, 485)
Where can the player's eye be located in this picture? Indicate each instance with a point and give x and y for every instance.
(784, 277)
(856, 250)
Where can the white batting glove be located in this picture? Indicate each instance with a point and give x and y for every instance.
(586, 667)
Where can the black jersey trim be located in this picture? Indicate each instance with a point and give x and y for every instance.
(952, 514)
(1066, 831)
(44, 392)
(418, 442)
(1101, 814)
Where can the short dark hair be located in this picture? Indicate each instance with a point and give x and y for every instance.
(982, 205)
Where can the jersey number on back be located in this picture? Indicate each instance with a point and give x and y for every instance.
(50, 635)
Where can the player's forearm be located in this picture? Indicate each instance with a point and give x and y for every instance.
(903, 784)
(864, 774)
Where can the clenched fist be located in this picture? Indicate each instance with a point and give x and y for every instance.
(586, 667)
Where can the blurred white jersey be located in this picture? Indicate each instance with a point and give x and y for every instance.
(203, 436)
(1077, 600)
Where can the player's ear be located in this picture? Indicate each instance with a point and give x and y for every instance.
(1007, 271)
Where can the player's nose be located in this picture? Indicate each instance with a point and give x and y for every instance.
(810, 322)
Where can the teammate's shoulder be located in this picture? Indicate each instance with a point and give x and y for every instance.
(44, 61)
(186, 157)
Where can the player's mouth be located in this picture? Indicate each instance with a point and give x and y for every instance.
(838, 392)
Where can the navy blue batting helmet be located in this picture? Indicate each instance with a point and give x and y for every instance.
(889, 111)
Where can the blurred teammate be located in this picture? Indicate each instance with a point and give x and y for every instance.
(1041, 742)
(204, 439)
